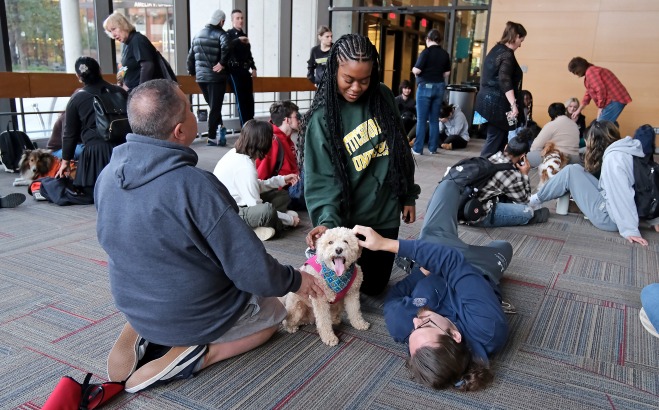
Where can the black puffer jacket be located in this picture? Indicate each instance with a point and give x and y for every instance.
(209, 47)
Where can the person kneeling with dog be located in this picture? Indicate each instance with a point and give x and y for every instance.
(194, 282)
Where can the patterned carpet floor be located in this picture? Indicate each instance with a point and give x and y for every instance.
(575, 343)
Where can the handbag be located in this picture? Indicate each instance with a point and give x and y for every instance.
(166, 71)
(71, 395)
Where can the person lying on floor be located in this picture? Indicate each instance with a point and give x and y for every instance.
(446, 310)
(192, 279)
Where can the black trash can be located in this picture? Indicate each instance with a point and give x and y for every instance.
(463, 96)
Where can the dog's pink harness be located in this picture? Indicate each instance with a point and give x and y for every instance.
(330, 280)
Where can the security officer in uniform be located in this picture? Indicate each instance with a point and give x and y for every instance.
(240, 64)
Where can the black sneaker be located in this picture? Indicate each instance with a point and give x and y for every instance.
(12, 200)
(177, 364)
(539, 216)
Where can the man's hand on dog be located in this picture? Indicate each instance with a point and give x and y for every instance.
(63, 170)
(310, 286)
(373, 241)
(315, 233)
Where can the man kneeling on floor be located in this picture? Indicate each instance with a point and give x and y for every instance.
(195, 283)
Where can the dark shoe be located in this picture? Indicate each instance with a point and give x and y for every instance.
(539, 216)
(177, 364)
(223, 137)
(12, 200)
(404, 263)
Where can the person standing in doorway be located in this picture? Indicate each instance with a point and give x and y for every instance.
(208, 61)
(240, 64)
(603, 87)
(431, 70)
(318, 59)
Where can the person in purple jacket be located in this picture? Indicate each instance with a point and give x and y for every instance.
(448, 310)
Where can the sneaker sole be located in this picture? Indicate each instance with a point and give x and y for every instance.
(119, 369)
(645, 321)
(12, 200)
(166, 368)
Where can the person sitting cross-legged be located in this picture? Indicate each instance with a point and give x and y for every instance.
(192, 279)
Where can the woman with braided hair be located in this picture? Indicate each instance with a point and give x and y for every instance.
(358, 167)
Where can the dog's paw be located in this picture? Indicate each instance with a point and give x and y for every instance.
(360, 324)
(330, 340)
(289, 328)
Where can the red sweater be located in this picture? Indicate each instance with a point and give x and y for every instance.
(266, 166)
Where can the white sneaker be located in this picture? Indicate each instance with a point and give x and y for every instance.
(38, 197)
(645, 321)
(264, 232)
(534, 202)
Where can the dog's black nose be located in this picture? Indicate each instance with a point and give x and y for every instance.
(338, 251)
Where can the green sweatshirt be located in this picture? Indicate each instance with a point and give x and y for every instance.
(372, 201)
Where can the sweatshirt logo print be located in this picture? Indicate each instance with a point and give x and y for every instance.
(363, 133)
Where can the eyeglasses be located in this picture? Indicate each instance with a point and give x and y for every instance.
(429, 320)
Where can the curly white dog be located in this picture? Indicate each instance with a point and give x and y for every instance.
(335, 262)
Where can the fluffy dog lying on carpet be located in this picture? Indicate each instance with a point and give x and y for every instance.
(552, 162)
(35, 164)
(335, 262)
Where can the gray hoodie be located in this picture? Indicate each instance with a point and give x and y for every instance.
(182, 263)
(456, 125)
(617, 184)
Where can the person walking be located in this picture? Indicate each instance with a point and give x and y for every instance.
(431, 70)
(498, 100)
(240, 64)
(603, 87)
(208, 61)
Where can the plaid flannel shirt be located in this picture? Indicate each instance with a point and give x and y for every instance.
(512, 183)
(602, 86)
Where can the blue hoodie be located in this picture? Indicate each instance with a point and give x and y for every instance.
(182, 263)
(454, 289)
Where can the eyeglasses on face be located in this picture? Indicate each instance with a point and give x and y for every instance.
(425, 323)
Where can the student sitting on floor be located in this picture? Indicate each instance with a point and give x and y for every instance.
(453, 127)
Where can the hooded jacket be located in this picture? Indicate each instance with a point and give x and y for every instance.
(182, 263)
(617, 184)
(456, 290)
(456, 125)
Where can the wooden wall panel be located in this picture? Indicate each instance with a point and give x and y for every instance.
(619, 35)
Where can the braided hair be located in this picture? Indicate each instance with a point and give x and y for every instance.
(355, 47)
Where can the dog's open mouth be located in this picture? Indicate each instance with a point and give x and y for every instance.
(339, 265)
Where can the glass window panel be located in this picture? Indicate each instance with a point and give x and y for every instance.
(408, 3)
(473, 2)
(154, 19)
(36, 38)
(469, 39)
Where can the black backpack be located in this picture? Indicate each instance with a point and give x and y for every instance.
(471, 175)
(111, 116)
(646, 187)
(12, 145)
(280, 158)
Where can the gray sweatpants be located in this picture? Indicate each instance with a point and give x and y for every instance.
(583, 187)
(441, 225)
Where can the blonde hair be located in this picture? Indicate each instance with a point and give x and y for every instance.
(572, 100)
(119, 21)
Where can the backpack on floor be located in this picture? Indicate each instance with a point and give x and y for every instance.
(646, 187)
(12, 145)
(471, 175)
(111, 116)
(71, 395)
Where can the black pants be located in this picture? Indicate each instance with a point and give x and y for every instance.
(497, 139)
(243, 88)
(214, 96)
(457, 141)
(377, 266)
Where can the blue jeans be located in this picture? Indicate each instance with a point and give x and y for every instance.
(429, 98)
(612, 111)
(506, 214)
(650, 302)
(584, 188)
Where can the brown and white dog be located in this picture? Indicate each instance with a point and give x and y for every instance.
(35, 164)
(335, 262)
(553, 160)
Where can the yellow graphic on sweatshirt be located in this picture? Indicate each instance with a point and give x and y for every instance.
(362, 134)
